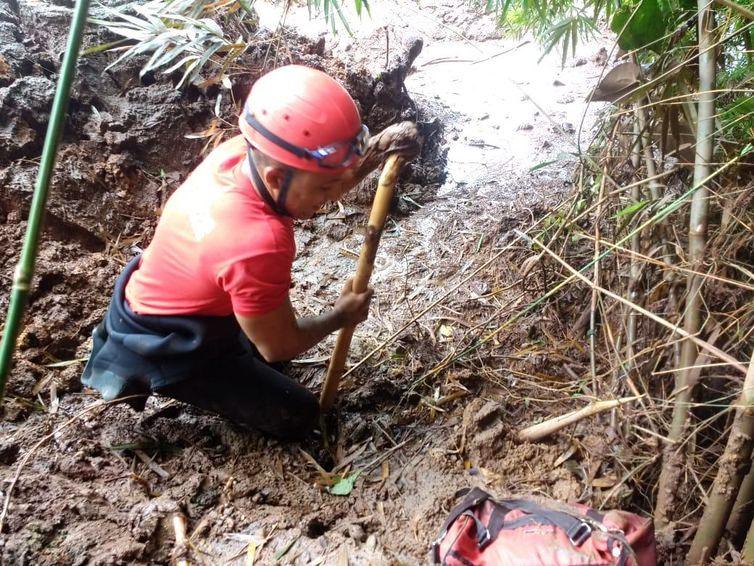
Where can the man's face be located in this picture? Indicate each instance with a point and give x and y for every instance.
(308, 191)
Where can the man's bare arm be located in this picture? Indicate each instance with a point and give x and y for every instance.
(281, 336)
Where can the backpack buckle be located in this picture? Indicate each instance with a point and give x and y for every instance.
(483, 539)
(579, 535)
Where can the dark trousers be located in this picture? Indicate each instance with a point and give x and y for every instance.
(246, 390)
(201, 360)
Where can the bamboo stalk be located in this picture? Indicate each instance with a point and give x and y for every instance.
(596, 279)
(553, 425)
(181, 542)
(743, 510)
(747, 552)
(636, 268)
(25, 268)
(655, 188)
(733, 466)
(376, 223)
(670, 475)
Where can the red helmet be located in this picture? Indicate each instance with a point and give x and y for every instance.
(303, 118)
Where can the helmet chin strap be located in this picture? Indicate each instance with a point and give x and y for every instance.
(259, 184)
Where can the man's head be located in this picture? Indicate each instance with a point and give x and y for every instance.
(303, 192)
(305, 135)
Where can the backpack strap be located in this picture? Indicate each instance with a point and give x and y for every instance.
(472, 499)
(577, 529)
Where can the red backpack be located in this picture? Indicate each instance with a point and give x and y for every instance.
(483, 531)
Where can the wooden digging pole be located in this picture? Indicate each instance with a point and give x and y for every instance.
(377, 219)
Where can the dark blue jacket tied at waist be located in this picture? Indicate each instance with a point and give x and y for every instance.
(136, 354)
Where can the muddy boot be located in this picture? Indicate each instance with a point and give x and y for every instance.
(133, 389)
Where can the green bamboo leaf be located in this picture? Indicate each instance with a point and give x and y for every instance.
(247, 6)
(344, 486)
(150, 65)
(283, 551)
(336, 4)
(631, 209)
(181, 63)
(139, 22)
(542, 165)
(103, 47)
(639, 24)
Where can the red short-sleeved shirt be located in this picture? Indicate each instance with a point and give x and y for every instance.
(218, 248)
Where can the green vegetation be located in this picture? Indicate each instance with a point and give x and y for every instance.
(667, 277)
(187, 35)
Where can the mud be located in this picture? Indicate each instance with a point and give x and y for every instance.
(103, 488)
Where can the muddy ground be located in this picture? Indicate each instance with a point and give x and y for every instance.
(102, 488)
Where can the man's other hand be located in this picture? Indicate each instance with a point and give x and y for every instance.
(353, 308)
(402, 139)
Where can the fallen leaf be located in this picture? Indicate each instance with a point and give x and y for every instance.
(283, 551)
(618, 82)
(251, 553)
(565, 456)
(385, 470)
(607, 481)
(54, 399)
(446, 331)
(344, 486)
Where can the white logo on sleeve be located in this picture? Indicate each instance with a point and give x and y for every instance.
(201, 222)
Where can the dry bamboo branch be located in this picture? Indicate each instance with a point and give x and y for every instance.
(181, 542)
(717, 352)
(553, 425)
(732, 467)
(736, 7)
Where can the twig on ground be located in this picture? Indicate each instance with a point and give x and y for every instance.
(152, 465)
(180, 552)
(551, 426)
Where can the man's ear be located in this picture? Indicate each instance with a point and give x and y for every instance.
(273, 177)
